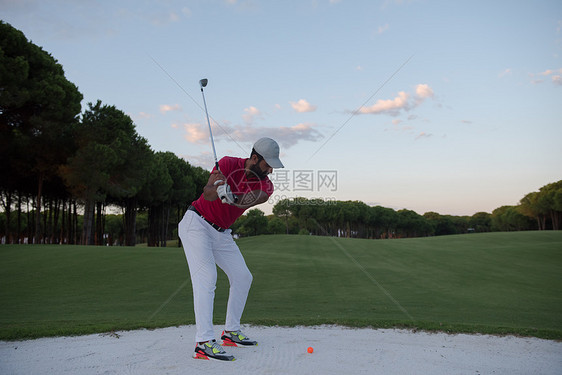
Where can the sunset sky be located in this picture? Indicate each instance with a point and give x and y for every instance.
(446, 106)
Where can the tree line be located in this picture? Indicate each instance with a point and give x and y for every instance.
(60, 168)
(539, 210)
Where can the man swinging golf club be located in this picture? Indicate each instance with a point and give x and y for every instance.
(235, 184)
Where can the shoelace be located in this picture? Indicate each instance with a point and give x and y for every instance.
(239, 335)
(215, 347)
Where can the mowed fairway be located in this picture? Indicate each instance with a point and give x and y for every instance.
(490, 283)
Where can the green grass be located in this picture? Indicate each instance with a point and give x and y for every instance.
(489, 283)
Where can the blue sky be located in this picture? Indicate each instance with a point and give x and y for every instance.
(446, 106)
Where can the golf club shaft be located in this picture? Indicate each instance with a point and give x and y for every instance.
(210, 131)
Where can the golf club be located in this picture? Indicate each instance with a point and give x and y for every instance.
(203, 83)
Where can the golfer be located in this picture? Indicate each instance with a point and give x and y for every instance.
(207, 242)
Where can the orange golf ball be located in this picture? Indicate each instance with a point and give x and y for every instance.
(310, 349)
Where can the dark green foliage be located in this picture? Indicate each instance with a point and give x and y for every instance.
(39, 111)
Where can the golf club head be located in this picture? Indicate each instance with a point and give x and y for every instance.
(203, 82)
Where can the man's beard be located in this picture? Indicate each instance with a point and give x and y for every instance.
(258, 172)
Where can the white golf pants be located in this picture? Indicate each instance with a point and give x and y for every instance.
(205, 248)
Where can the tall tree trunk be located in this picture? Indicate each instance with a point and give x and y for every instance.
(37, 237)
(87, 228)
(8, 211)
(554, 218)
(75, 224)
(152, 227)
(165, 222)
(44, 216)
(130, 221)
(99, 226)
(69, 223)
(56, 214)
(29, 223)
(63, 222)
(18, 232)
(49, 222)
(103, 229)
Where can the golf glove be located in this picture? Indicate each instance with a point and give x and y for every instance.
(225, 194)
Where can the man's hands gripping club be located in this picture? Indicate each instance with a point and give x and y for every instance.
(218, 188)
(225, 194)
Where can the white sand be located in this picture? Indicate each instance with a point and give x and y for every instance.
(337, 350)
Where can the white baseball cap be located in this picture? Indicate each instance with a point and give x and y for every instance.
(269, 149)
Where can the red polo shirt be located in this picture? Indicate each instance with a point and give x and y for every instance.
(223, 214)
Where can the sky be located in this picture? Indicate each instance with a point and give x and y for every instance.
(446, 106)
